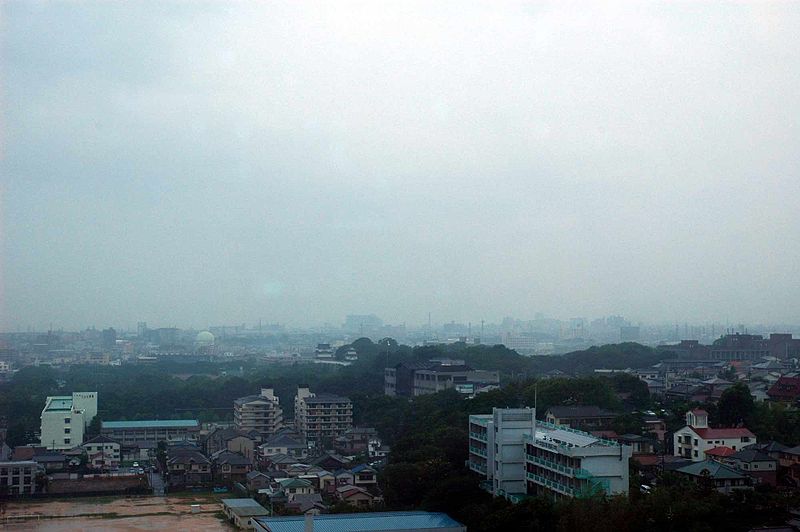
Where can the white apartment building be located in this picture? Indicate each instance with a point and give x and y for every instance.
(693, 440)
(519, 456)
(65, 418)
(497, 448)
(262, 413)
(321, 416)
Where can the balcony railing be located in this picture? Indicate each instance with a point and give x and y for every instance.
(552, 484)
(480, 436)
(475, 466)
(478, 451)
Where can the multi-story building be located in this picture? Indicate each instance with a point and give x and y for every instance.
(154, 430)
(19, 477)
(261, 413)
(409, 379)
(65, 418)
(693, 440)
(322, 416)
(498, 442)
(519, 456)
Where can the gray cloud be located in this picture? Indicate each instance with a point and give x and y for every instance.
(196, 163)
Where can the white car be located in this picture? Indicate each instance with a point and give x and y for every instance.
(136, 464)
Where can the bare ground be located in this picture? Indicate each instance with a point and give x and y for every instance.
(116, 514)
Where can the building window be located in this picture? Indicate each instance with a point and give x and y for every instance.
(66, 441)
(67, 420)
(66, 431)
(695, 442)
(695, 453)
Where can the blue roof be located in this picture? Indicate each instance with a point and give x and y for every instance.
(363, 522)
(150, 423)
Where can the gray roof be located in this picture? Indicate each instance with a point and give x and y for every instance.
(245, 507)
(229, 457)
(713, 468)
(579, 411)
(284, 440)
(751, 455)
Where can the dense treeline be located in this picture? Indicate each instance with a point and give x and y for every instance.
(427, 470)
(206, 390)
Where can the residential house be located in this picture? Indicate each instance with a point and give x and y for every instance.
(355, 440)
(279, 462)
(103, 453)
(721, 477)
(285, 442)
(229, 467)
(771, 448)
(364, 476)
(756, 464)
(638, 444)
(233, 440)
(786, 389)
(256, 480)
(789, 463)
(331, 461)
(306, 503)
(188, 469)
(586, 418)
(693, 440)
(291, 486)
(356, 496)
(344, 477)
(52, 462)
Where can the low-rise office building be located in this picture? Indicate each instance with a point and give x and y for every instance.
(409, 379)
(155, 430)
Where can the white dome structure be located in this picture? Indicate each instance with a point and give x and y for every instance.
(204, 339)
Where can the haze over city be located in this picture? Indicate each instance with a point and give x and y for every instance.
(192, 164)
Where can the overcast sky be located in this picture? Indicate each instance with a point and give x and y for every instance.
(195, 164)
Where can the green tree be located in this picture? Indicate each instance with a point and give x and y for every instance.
(736, 405)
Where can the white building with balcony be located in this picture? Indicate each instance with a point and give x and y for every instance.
(518, 456)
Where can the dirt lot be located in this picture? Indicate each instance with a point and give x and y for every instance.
(116, 513)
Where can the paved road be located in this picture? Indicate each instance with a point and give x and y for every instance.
(157, 483)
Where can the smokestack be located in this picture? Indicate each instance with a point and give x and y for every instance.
(309, 523)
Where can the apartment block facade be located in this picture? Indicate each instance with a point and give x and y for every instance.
(261, 413)
(322, 416)
(19, 477)
(64, 419)
(518, 456)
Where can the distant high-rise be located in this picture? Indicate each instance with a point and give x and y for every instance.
(362, 324)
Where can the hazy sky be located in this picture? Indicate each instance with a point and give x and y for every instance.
(208, 163)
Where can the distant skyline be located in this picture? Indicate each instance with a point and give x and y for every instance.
(206, 163)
